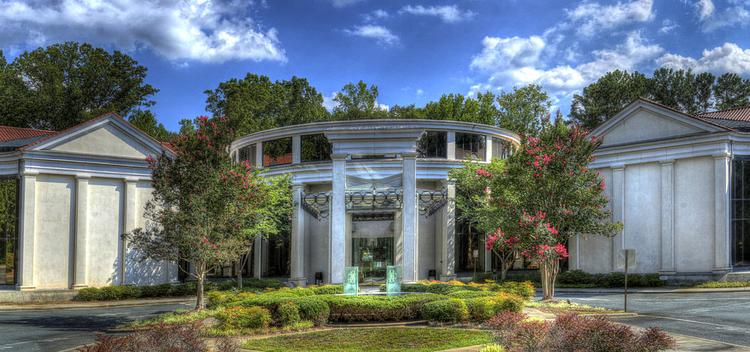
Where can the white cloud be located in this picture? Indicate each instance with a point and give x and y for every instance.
(667, 26)
(448, 13)
(705, 9)
(420, 92)
(726, 58)
(376, 15)
(382, 35)
(344, 3)
(516, 61)
(201, 30)
(508, 53)
(590, 17)
(736, 15)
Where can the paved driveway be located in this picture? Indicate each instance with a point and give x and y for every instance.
(717, 316)
(61, 329)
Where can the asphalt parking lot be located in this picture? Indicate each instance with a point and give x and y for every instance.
(717, 316)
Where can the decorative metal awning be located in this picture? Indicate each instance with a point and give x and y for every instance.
(317, 204)
(373, 199)
(430, 201)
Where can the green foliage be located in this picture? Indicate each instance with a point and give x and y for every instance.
(523, 289)
(357, 102)
(244, 318)
(255, 103)
(288, 314)
(327, 289)
(683, 90)
(146, 122)
(480, 308)
(457, 107)
(720, 284)
(525, 110)
(108, 293)
(451, 310)
(492, 348)
(581, 278)
(65, 84)
(377, 308)
(465, 294)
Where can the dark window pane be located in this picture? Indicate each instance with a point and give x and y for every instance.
(433, 144)
(277, 152)
(315, 147)
(500, 148)
(470, 146)
(248, 154)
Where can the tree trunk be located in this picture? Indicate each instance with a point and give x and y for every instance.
(549, 269)
(200, 277)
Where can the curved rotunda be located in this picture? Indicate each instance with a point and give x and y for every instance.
(370, 194)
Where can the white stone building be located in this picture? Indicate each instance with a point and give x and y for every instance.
(373, 193)
(680, 184)
(78, 191)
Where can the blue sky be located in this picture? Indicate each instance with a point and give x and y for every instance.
(413, 50)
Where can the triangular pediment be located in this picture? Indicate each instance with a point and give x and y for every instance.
(105, 136)
(644, 121)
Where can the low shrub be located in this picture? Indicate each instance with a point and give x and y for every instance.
(288, 314)
(465, 294)
(492, 348)
(160, 337)
(327, 289)
(155, 290)
(244, 318)
(524, 289)
(446, 310)
(611, 280)
(377, 308)
(108, 293)
(480, 308)
(507, 302)
(572, 332)
(312, 308)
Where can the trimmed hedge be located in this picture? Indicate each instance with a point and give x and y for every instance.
(581, 278)
(288, 314)
(377, 308)
(113, 293)
(311, 308)
(447, 310)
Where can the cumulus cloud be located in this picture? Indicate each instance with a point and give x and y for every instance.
(517, 61)
(726, 58)
(667, 26)
(448, 13)
(201, 30)
(738, 14)
(705, 9)
(382, 35)
(376, 15)
(344, 3)
(590, 17)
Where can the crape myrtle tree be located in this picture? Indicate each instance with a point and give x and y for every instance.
(544, 196)
(205, 207)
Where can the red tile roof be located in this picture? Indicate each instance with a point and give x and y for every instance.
(8, 133)
(736, 114)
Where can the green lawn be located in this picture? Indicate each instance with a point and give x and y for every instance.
(373, 339)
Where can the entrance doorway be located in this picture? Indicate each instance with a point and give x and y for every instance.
(372, 245)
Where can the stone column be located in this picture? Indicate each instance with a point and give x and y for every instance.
(448, 234)
(409, 218)
(451, 145)
(27, 212)
(487, 256)
(80, 279)
(129, 224)
(258, 257)
(297, 260)
(259, 155)
(488, 148)
(296, 149)
(667, 218)
(721, 213)
(337, 250)
(618, 214)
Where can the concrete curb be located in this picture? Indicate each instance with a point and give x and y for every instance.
(649, 290)
(99, 304)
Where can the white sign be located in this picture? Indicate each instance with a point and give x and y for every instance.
(626, 254)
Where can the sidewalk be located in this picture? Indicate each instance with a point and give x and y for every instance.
(96, 304)
(651, 290)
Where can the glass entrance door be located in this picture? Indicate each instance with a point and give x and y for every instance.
(372, 245)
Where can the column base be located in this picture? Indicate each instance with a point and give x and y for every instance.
(298, 282)
(447, 277)
(25, 288)
(721, 270)
(79, 286)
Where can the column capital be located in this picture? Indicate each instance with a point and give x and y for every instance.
(666, 162)
(298, 186)
(130, 180)
(722, 155)
(449, 182)
(29, 173)
(409, 155)
(83, 176)
(618, 167)
(341, 156)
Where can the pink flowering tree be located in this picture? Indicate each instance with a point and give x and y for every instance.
(545, 195)
(205, 209)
